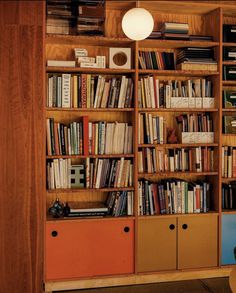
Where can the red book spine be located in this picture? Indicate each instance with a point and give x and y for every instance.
(156, 202)
(83, 91)
(86, 135)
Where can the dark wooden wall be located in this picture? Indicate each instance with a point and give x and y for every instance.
(21, 146)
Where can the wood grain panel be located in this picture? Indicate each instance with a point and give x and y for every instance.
(22, 147)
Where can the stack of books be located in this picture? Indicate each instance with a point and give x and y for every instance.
(156, 60)
(229, 99)
(120, 203)
(228, 195)
(229, 124)
(229, 72)
(229, 53)
(196, 59)
(200, 159)
(89, 91)
(175, 31)
(152, 129)
(173, 196)
(60, 17)
(228, 162)
(85, 209)
(91, 17)
(229, 33)
(155, 35)
(155, 93)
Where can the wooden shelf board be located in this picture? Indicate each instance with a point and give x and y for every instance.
(229, 62)
(145, 217)
(229, 110)
(90, 190)
(90, 109)
(95, 218)
(88, 70)
(173, 174)
(229, 82)
(227, 180)
(229, 44)
(178, 72)
(228, 212)
(159, 43)
(86, 40)
(228, 134)
(179, 145)
(90, 156)
(143, 110)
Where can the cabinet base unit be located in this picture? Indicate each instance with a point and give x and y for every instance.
(79, 249)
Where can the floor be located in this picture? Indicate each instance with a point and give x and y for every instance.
(218, 285)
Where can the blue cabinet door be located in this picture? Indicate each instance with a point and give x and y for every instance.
(228, 239)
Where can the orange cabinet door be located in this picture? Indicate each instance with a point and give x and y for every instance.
(156, 244)
(197, 241)
(89, 248)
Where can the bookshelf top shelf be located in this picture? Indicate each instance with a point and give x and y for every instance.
(87, 40)
(174, 44)
(178, 72)
(89, 70)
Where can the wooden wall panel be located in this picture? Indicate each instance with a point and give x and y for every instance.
(22, 146)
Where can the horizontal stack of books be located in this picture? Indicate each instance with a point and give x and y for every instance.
(228, 162)
(91, 17)
(229, 33)
(120, 203)
(228, 195)
(196, 59)
(84, 137)
(229, 53)
(95, 173)
(229, 99)
(156, 60)
(60, 17)
(152, 129)
(85, 209)
(173, 196)
(229, 72)
(229, 124)
(155, 93)
(175, 31)
(89, 91)
(200, 159)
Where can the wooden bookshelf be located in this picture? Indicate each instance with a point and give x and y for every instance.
(205, 19)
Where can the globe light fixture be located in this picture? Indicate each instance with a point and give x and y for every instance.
(137, 24)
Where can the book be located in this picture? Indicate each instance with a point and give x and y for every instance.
(197, 66)
(60, 63)
(229, 99)
(229, 33)
(229, 72)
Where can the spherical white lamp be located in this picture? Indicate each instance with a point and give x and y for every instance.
(137, 24)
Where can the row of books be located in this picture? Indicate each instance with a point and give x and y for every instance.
(173, 196)
(152, 129)
(120, 203)
(156, 60)
(155, 93)
(152, 160)
(228, 162)
(228, 195)
(89, 91)
(95, 173)
(195, 122)
(84, 137)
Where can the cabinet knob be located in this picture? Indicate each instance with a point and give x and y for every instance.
(172, 226)
(184, 226)
(54, 233)
(126, 229)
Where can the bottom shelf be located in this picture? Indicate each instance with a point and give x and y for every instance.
(138, 279)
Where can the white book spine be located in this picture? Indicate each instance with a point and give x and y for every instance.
(66, 90)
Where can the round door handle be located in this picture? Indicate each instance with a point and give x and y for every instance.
(54, 233)
(172, 226)
(126, 229)
(184, 226)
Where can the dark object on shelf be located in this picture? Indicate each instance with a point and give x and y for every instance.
(57, 209)
(229, 53)
(229, 33)
(229, 124)
(155, 35)
(229, 72)
(229, 99)
(171, 136)
(200, 38)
